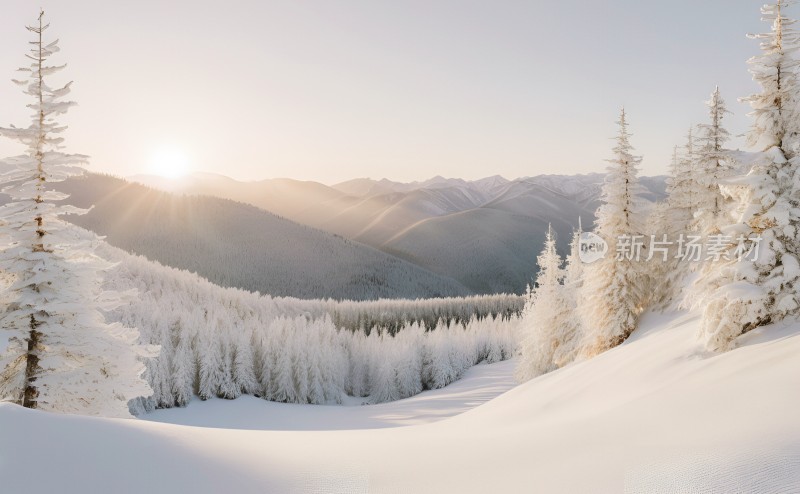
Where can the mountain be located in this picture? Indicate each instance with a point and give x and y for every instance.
(492, 248)
(238, 245)
(484, 233)
(365, 187)
(487, 250)
(282, 196)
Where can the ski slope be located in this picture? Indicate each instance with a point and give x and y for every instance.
(657, 414)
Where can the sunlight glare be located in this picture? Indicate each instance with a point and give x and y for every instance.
(170, 162)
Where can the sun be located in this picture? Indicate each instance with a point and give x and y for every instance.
(170, 162)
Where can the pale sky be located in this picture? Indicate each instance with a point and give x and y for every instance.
(330, 90)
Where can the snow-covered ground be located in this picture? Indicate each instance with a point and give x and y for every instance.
(657, 414)
(479, 385)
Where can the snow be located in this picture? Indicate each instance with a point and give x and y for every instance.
(479, 385)
(656, 414)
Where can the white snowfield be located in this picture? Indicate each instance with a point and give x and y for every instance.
(478, 385)
(655, 415)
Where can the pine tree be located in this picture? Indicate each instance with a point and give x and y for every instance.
(210, 358)
(159, 368)
(408, 370)
(547, 317)
(683, 188)
(437, 368)
(572, 291)
(671, 220)
(62, 354)
(614, 287)
(317, 353)
(775, 70)
(244, 371)
(282, 388)
(183, 364)
(383, 378)
(714, 164)
(265, 361)
(751, 291)
(334, 366)
(299, 350)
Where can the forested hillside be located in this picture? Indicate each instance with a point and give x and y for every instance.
(223, 342)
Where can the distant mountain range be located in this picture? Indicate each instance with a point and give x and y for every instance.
(484, 234)
(361, 239)
(238, 245)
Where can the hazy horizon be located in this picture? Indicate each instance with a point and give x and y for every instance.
(375, 178)
(330, 92)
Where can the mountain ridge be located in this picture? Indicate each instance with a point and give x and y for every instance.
(425, 222)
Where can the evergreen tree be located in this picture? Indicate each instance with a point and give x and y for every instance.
(62, 354)
(210, 358)
(683, 188)
(547, 318)
(714, 164)
(775, 70)
(751, 291)
(572, 291)
(244, 370)
(614, 287)
(670, 221)
(183, 365)
(282, 388)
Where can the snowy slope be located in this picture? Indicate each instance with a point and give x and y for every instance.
(478, 385)
(656, 414)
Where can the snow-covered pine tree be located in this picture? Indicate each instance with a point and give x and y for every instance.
(683, 188)
(775, 70)
(614, 287)
(714, 164)
(282, 388)
(299, 351)
(209, 356)
(244, 370)
(159, 369)
(183, 364)
(265, 359)
(572, 292)
(62, 354)
(548, 315)
(409, 363)
(437, 367)
(317, 354)
(335, 366)
(383, 378)
(671, 220)
(748, 292)
(662, 271)
(358, 365)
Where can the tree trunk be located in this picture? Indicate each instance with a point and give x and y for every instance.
(32, 365)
